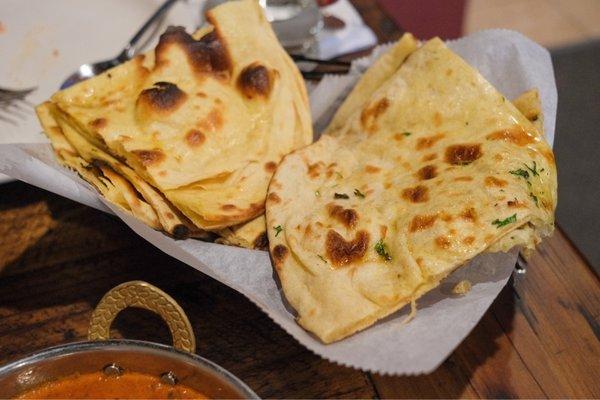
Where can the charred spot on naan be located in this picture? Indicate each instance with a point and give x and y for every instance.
(442, 242)
(342, 252)
(515, 203)
(371, 169)
(255, 80)
(240, 214)
(314, 170)
(194, 138)
(273, 198)
(369, 116)
(469, 214)
(347, 216)
(516, 135)
(162, 97)
(261, 242)
(270, 166)
(421, 222)
(207, 55)
(429, 141)
(463, 154)
(279, 253)
(149, 158)
(417, 194)
(212, 122)
(98, 123)
(427, 172)
(492, 181)
(429, 157)
(181, 232)
(469, 240)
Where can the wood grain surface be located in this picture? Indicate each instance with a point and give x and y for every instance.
(539, 339)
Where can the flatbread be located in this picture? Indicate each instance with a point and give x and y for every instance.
(251, 235)
(433, 168)
(203, 120)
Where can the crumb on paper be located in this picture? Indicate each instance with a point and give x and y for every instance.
(55, 53)
(462, 287)
(413, 312)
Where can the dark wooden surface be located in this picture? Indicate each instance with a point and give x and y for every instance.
(540, 338)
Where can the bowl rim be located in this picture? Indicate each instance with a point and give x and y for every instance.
(74, 347)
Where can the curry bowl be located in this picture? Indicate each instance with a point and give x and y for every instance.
(170, 370)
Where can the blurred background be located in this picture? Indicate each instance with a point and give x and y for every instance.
(570, 29)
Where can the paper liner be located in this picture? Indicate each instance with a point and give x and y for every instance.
(511, 62)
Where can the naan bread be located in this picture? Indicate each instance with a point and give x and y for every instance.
(419, 175)
(203, 120)
(251, 235)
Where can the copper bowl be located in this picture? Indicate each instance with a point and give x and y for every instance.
(177, 364)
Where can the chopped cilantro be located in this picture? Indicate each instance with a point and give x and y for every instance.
(524, 173)
(406, 133)
(533, 170)
(324, 260)
(278, 230)
(520, 172)
(358, 193)
(341, 196)
(382, 250)
(535, 199)
(506, 221)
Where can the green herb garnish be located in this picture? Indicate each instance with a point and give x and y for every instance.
(358, 193)
(506, 221)
(382, 250)
(524, 173)
(533, 170)
(534, 197)
(317, 193)
(278, 230)
(321, 257)
(406, 133)
(341, 196)
(520, 172)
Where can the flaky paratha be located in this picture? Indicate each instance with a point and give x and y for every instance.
(204, 119)
(251, 234)
(420, 174)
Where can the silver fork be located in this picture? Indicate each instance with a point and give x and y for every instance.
(14, 105)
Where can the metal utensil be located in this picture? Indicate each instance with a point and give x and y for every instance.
(89, 70)
(14, 105)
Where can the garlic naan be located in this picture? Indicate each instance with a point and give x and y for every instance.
(203, 120)
(425, 167)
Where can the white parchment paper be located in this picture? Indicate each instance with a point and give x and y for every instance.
(511, 62)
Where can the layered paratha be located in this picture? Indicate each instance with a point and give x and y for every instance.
(425, 166)
(203, 120)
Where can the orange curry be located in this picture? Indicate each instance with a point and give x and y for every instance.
(97, 385)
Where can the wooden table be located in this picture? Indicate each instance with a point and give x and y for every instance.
(540, 338)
